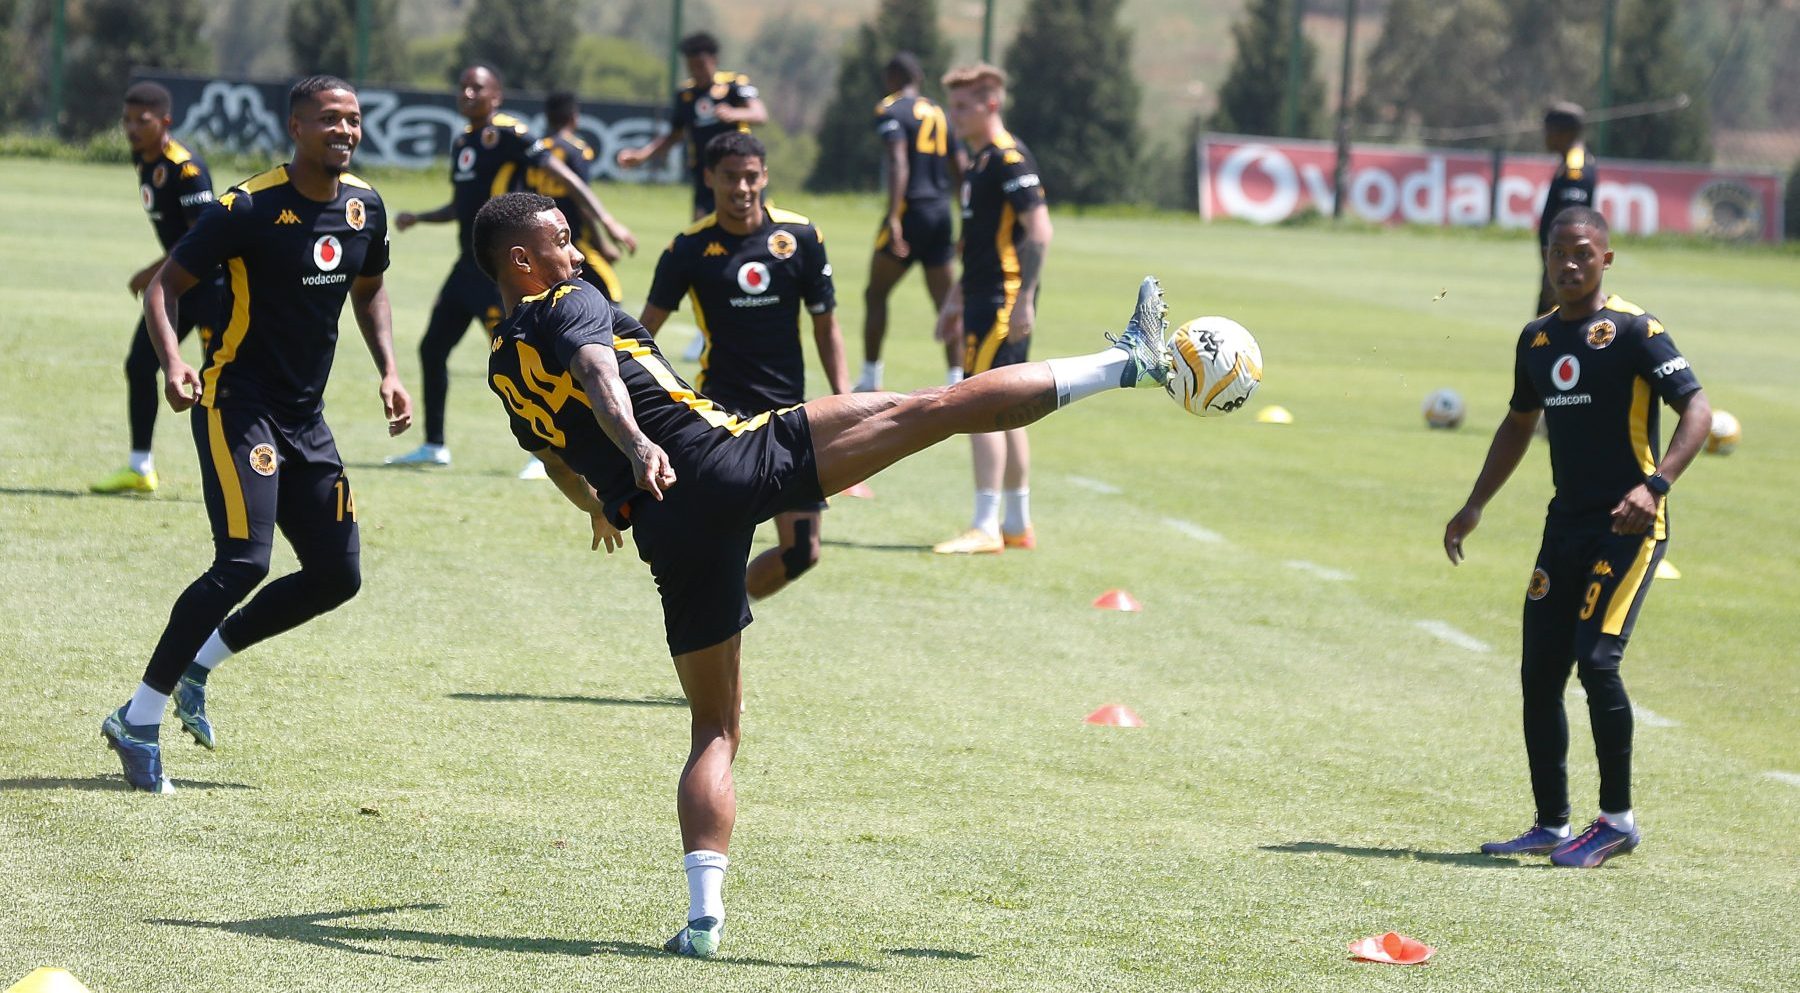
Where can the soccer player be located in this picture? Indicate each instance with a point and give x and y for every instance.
(710, 102)
(491, 156)
(920, 170)
(1572, 185)
(632, 445)
(562, 114)
(1594, 368)
(748, 268)
(295, 242)
(1005, 238)
(174, 186)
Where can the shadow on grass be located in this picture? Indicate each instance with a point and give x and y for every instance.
(318, 931)
(39, 491)
(108, 782)
(1474, 860)
(598, 701)
(428, 470)
(932, 953)
(872, 546)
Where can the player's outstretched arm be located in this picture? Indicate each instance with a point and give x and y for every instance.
(140, 280)
(162, 312)
(1637, 511)
(442, 215)
(582, 495)
(375, 318)
(631, 158)
(598, 369)
(590, 203)
(830, 341)
(1511, 440)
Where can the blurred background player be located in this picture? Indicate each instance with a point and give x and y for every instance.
(1571, 186)
(710, 102)
(490, 157)
(748, 268)
(1594, 368)
(295, 242)
(174, 186)
(918, 227)
(1005, 239)
(632, 446)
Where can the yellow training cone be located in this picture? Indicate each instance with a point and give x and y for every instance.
(48, 980)
(1274, 415)
(1666, 571)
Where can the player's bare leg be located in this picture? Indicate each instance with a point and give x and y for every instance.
(937, 282)
(885, 272)
(797, 550)
(1015, 492)
(706, 799)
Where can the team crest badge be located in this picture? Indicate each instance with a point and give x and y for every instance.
(490, 136)
(159, 175)
(753, 278)
(782, 244)
(262, 459)
(1601, 333)
(1540, 585)
(354, 213)
(327, 253)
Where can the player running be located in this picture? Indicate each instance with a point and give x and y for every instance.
(748, 268)
(1594, 368)
(492, 156)
(920, 173)
(710, 102)
(295, 242)
(1573, 184)
(1005, 239)
(630, 443)
(174, 186)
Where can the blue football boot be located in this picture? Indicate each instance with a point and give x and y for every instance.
(141, 755)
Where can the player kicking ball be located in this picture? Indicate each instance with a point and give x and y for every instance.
(1594, 368)
(630, 443)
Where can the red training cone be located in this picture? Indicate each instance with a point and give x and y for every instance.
(1115, 715)
(1117, 600)
(860, 491)
(1392, 948)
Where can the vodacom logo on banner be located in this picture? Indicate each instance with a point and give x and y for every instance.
(1269, 180)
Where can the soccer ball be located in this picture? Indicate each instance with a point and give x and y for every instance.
(1725, 434)
(1218, 365)
(1444, 409)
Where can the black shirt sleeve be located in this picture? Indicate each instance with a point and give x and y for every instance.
(1019, 181)
(815, 274)
(375, 261)
(579, 316)
(193, 184)
(671, 281)
(221, 233)
(1525, 396)
(887, 126)
(1660, 362)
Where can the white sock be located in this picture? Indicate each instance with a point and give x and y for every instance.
(1561, 831)
(431, 449)
(146, 706)
(1623, 821)
(954, 376)
(987, 511)
(213, 652)
(142, 463)
(1085, 375)
(706, 883)
(1018, 511)
(872, 373)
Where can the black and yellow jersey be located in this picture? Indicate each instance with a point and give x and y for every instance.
(289, 262)
(694, 111)
(1001, 184)
(747, 291)
(919, 123)
(579, 156)
(528, 368)
(1598, 381)
(486, 162)
(174, 187)
(1572, 186)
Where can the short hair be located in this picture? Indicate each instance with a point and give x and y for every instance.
(906, 64)
(1564, 116)
(560, 108)
(487, 67)
(308, 89)
(699, 43)
(501, 220)
(981, 75)
(153, 97)
(732, 143)
(1581, 217)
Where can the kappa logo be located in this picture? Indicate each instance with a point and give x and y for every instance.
(1542, 340)
(712, 248)
(190, 171)
(1603, 568)
(1653, 328)
(327, 253)
(262, 459)
(1601, 334)
(1566, 373)
(782, 244)
(355, 214)
(753, 278)
(287, 217)
(1539, 587)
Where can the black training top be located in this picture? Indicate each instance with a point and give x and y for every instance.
(174, 187)
(579, 156)
(1572, 186)
(1001, 184)
(921, 125)
(485, 163)
(694, 111)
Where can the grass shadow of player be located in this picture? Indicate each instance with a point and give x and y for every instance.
(598, 701)
(1474, 860)
(867, 546)
(932, 953)
(428, 470)
(320, 931)
(44, 491)
(108, 782)
(38, 491)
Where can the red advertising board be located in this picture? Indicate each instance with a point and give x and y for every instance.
(1269, 179)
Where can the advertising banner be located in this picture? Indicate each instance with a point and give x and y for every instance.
(1267, 180)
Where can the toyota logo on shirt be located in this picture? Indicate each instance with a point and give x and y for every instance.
(1566, 372)
(328, 252)
(753, 277)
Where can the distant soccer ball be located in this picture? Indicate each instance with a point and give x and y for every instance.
(1218, 365)
(1444, 409)
(1725, 434)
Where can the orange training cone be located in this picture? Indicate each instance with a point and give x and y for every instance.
(1115, 715)
(860, 491)
(1393, 948)
(1117, 600)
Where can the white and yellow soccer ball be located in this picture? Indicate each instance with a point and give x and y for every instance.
(1725, 434)
(1218, 365)
(1444, 409)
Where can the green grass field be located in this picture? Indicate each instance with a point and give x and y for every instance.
(463, 780)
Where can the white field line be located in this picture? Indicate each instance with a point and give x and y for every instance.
(1790, 778)
(1194, 531)
(1651, 718)
(1097, 486)
(1318, 571)
(1444, 632)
